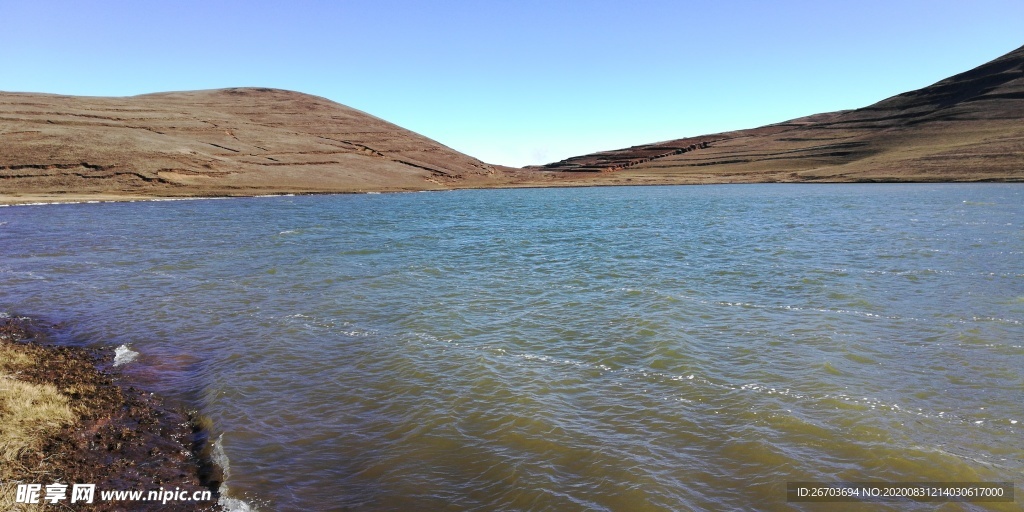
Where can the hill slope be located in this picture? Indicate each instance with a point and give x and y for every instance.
(968, 127)
(249, 141)
(240, 141)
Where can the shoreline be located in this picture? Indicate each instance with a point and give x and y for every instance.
(39, 199)
(69, 417)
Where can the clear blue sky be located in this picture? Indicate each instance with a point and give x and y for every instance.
(516, 82)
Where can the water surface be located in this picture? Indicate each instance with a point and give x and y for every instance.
(640, 348)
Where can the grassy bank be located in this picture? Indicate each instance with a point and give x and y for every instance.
(66, 418)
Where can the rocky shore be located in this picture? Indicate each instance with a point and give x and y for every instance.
(68, 417)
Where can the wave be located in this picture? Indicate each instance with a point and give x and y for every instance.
(124, 355)
(220, 458)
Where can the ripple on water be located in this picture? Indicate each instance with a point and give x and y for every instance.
(662, 348)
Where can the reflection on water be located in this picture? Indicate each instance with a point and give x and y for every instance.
(648, 348)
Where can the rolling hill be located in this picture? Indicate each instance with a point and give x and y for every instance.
(969, 127)
(253, 141)
(240, 141)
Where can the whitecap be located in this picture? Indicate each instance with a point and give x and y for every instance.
(124, 355)
(220, 458)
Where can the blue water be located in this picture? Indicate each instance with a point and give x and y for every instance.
(636, 348)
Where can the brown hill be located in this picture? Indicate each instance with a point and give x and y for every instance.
(248, 141)
(969, 127)
(241, 141)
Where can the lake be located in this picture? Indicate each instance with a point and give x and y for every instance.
(620, 348)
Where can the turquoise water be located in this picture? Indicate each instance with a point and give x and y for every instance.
(639, 348)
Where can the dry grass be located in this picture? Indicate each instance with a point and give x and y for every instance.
(12, 359)
(57, 407)
(29, 413)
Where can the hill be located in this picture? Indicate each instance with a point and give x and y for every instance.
(240, 141)
(969, 127)
(252, 141)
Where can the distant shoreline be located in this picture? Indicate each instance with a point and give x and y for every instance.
(32, 199)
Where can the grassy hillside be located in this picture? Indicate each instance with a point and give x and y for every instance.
(249, 141)
(969, 127)
(232, 141)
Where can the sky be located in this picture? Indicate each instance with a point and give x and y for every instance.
(516, 82)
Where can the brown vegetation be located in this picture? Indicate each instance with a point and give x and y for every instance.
(241, 141)
(249, 141)
(969, 127)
